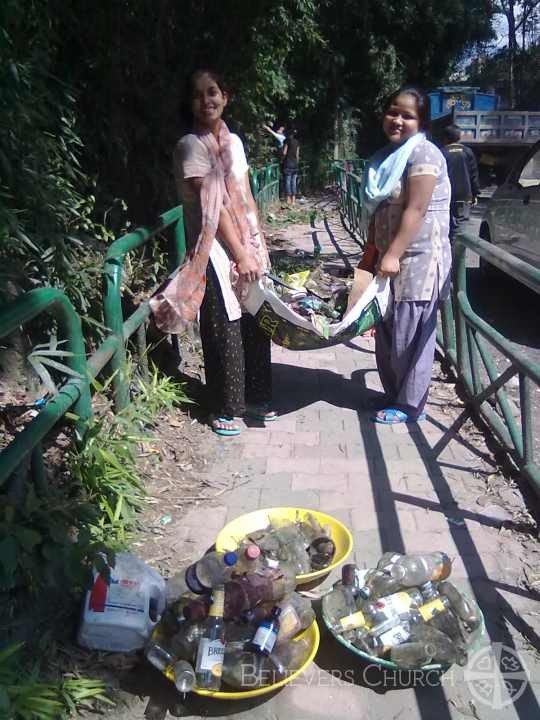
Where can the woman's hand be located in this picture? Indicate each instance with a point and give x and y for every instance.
(389, 266)
(248, 268)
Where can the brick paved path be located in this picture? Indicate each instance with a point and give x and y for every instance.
(402, 488)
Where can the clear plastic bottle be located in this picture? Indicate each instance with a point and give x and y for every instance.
(441, 648)
(381, 610)
(246, 670)
(405, 571)
(202, 576)
(464, 609)
(411, 655)
(249, 558)
(160, 653)
(211, 650)
(185, 642)
(289, 657)
(296, 615)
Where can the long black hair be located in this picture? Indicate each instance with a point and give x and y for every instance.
(189, 87)
(422, 104)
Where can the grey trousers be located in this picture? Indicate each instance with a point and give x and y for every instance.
(404, 349)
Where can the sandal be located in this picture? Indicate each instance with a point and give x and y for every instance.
(262, 413)
(230, 428)
(392, 416)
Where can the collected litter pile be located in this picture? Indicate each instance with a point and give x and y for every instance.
(404, 610)
(233, 619)
(303, 544)
(312, 308)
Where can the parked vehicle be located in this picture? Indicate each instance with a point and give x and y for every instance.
(512, 218)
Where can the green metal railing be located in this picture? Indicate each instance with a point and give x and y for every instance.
(349, 188)
(465, 338)
(75, 393)
(265, 185)
(122, 329)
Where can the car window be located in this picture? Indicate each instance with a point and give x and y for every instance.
(530, 175)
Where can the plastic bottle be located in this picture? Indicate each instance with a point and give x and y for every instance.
(460, 605)
(405, 571)
(211, 650)
(182, 674)
(381, 610)
(160, 653)
(411, 655)
(441, 648)
(249, 558)
(289, 657)
(273, 562)
(200, 577)
(438, 614)
(248, 591)
(296, 615)
(185, 642)
(246, 670)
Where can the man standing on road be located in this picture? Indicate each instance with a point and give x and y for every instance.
(463, 175)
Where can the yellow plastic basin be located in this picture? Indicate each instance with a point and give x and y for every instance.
(237, 529)
(311, 634)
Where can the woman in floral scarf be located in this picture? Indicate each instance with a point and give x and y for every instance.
(226, 252)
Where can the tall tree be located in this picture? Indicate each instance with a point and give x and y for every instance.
(518, 14)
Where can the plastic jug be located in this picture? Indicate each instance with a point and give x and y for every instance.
(119, 616)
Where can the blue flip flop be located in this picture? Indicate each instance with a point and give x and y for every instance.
(261, 414)
(226, 432)
(393, 416)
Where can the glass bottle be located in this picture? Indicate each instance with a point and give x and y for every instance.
(211, 650)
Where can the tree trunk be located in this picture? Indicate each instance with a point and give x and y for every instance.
(512, 41)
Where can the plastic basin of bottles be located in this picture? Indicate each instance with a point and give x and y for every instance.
(237, 529)
(389, 664)
(311, 634)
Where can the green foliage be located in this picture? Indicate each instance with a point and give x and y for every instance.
(46, 541)
(24, 697)
(105, 466)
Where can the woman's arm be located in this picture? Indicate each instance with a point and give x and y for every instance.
(246, 265)
(285, 149)
(420, 190)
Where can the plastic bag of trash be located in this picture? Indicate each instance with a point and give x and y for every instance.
(296, 331)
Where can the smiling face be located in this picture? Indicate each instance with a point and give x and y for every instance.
(207, 101)
(401, 120)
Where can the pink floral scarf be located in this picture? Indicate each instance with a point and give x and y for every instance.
(177, 305)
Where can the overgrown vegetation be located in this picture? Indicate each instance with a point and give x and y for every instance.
(49, 542)
(24, 697)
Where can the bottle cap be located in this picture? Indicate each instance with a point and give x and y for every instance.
(276, 611)
(252, 552)
(230, 559)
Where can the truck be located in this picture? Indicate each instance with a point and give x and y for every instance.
(497, 136)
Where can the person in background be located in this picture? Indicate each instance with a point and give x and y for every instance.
(278, 134)
(291, 156)
(407, 196)
(463, 175)
(226, 252)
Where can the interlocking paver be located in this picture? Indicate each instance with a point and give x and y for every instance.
(405, 487)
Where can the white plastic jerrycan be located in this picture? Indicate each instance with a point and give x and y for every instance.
(119, 616)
